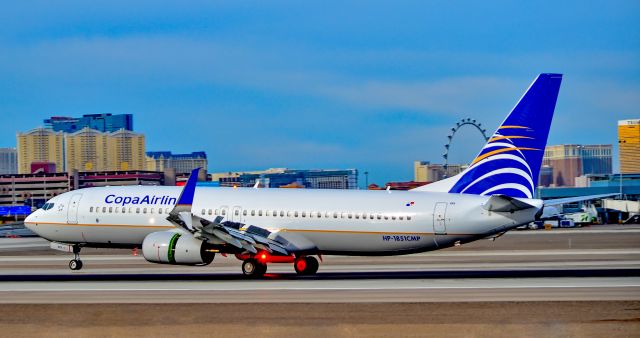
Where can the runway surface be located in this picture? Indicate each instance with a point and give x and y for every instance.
(592, 264)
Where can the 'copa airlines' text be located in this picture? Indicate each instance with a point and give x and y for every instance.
(146, 199)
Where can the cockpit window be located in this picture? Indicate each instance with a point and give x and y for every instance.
(47, 206)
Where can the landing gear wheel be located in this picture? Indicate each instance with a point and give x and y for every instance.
(252, 268)
(306, 265)
(75, 264)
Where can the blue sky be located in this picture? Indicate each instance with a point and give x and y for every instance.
(372, 85)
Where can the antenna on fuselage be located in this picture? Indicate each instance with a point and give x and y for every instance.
(257, 185)
(389, 189)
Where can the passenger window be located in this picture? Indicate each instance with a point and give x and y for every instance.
(268, 213)
(208, 211)
(151, 210)
(386, 217)
(281, 213)
(288, 213)
(335, 215)
(304, 214)
(357, 216)
(364, 215)
(110, 209)
(244, 212)
(144, 210)
(371, 216)
(401, 218)
(349, 216)
(378, 216)
(237, 212)
(275, 213)
(393, 218)
(104, 210)
(124, 210)
(215, 212)
(259, 212)
(253, 212)
(160, 211)
(130, 210)
(91, 209)
(203, 211)
(408, 218)
(223, 212)
(137, 210)
(295, 214)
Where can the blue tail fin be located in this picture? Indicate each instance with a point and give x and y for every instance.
(510, 161)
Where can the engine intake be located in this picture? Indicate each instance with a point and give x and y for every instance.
(168, 247)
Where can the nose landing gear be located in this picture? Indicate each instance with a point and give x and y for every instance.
(75, 263)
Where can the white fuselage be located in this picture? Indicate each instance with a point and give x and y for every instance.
(351, 222)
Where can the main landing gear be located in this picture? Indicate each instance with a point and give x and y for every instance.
(252, 268)
(75, 263)
(256, 266)
(306, 265)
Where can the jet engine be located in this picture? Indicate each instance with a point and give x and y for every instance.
(169, 247)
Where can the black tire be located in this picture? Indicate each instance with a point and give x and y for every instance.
(312, 265)
(251, 268)
(307, 265)
(262, 269)
(75, 264)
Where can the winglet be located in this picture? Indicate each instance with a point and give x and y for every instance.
(186, 196)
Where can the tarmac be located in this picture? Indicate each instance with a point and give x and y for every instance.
(595, 263)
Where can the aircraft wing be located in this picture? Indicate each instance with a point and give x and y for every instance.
(250, 238)
(559, 201)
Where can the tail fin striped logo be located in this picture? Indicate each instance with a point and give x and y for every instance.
(502, 161)
(510, 161)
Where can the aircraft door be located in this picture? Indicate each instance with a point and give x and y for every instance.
(72, 211)
(236, 214)
(439, 218)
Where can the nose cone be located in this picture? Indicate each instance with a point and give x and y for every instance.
(31, 219)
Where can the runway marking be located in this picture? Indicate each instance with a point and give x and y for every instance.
(401, 288)
(572, 252)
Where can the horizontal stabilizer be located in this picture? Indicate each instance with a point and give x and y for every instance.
(504, 203)
(559, 201)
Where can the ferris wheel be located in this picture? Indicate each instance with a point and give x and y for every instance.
(454, 130)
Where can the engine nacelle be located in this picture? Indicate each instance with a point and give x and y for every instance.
(168, 247)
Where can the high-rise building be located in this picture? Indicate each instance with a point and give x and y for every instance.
(629, 142)
(565, 162)
(101, 122)
(40, 145)
(86, 150)
(8, 161)
(126, 151)
(182, 163)
(92, 150)
(424, 171)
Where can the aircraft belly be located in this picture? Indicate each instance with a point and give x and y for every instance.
(69, 233)
(345, 241)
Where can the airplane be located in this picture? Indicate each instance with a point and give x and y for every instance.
(189, 225)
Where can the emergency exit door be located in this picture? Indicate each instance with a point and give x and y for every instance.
(439, 218)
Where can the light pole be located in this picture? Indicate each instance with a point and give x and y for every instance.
(366, 180)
